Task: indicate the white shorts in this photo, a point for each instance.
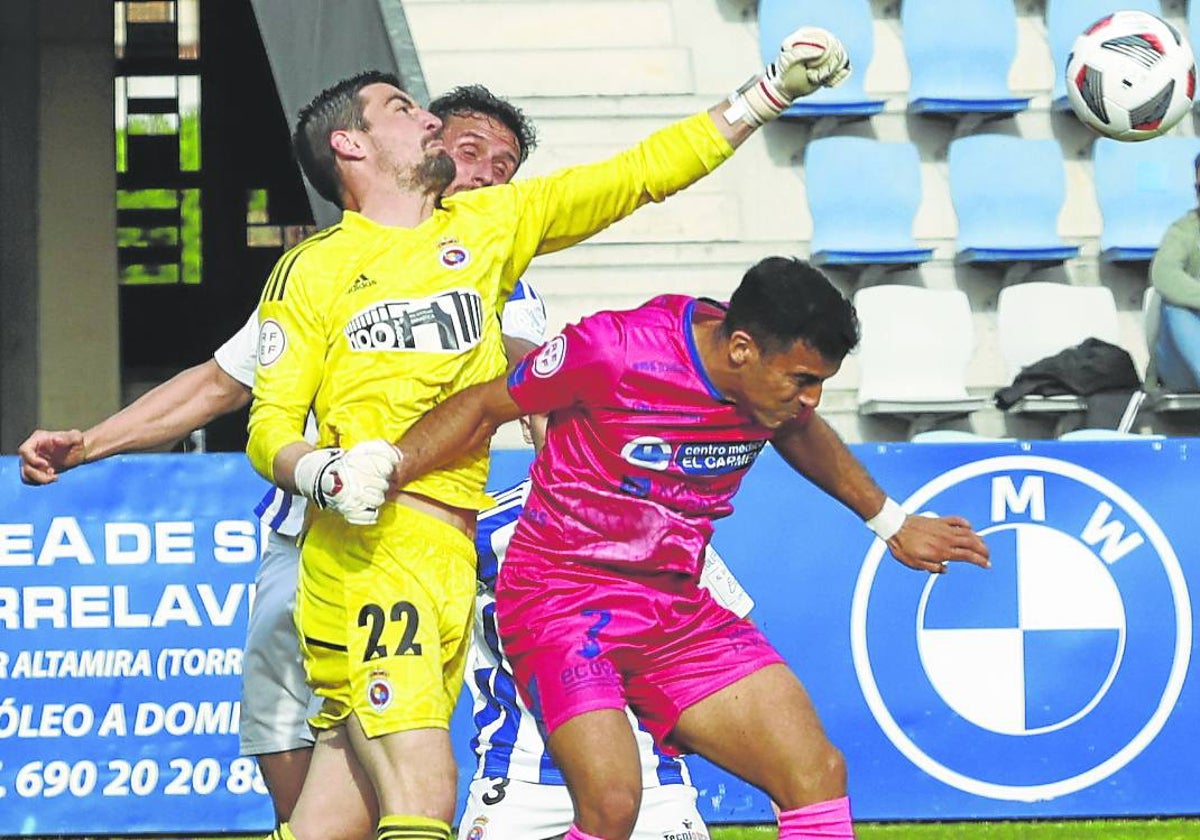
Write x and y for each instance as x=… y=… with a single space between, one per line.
x=499 y=809
x=276 y=700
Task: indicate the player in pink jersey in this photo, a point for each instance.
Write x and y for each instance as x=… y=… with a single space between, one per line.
x=655 y=415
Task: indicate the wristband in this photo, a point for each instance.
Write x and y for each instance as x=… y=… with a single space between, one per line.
x=738 y=112
x=309 y=470
x=888 y=522
x=740 y=109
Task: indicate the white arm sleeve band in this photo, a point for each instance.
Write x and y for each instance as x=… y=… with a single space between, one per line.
x=239 y=355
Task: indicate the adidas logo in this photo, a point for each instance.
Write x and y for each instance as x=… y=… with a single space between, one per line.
x=361 y=282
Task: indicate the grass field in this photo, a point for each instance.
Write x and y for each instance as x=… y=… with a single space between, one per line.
x=1069 y=830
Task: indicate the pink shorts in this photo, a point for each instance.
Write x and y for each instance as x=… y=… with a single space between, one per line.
x=583 y=638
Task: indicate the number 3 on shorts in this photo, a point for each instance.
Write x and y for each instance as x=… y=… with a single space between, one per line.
x=402 y=612
x=496 y=794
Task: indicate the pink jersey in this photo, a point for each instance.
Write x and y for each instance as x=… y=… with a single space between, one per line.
x=643 y=452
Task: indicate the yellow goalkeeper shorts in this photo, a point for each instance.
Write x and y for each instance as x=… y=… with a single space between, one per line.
x=384 y=614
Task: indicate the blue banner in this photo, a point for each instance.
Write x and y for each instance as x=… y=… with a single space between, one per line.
x=1058 y=683
x=124 y=593
x=1055 y=684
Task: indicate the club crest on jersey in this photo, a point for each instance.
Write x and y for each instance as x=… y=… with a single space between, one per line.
x=550 y=358
x=1067 y=657
x=450 y=322
x=478 y=829
x=272 y=341
x=650 y=452
x=379 y=691
x=453 y=255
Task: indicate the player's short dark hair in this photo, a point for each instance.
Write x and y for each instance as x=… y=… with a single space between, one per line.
x=337 y=108
x=476 y=99
x=783 y=300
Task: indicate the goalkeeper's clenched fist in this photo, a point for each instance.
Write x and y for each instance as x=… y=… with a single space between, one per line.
x=810 y=58
x=352 y=482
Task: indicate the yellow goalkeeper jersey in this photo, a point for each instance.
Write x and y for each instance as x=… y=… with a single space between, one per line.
x=372 y=326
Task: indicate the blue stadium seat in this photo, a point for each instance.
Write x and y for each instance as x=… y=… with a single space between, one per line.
x=1066 y=19
x=959 y=56
x=851 y=21
x=863 y=195
x=1141 y=188
x=1008 y=192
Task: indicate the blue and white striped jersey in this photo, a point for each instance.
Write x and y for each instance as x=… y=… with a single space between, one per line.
x=523 y=316
x=508 y=739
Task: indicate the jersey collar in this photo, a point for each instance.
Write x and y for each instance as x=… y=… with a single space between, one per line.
x=689 y=337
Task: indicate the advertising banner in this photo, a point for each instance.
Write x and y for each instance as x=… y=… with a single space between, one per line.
x=124 y=593
x=1057 y=683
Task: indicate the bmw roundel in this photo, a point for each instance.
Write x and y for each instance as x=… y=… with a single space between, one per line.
x=1047 y=673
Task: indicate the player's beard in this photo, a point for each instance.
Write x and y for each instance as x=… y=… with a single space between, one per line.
x=435 y=173
x=431 y=176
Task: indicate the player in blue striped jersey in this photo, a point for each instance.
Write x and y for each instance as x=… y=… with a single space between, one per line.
x=517 y=792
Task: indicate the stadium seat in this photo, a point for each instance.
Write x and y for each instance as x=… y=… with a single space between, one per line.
x=1066 y=19
x=863 y=195
x=916 y=345
x=851 y=21
x=1008 y=192
x=1160 y=398
x=1141 y=188
x=966 y=73
x=1037 y=320
x=954 y=436
x=1106 y=434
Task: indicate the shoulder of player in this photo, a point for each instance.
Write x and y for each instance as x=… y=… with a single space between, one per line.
x=481 y=200
x=312 y=258
x=615 y=335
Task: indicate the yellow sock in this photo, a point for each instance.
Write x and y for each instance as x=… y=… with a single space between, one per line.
x=282 y=832
x=397 y=827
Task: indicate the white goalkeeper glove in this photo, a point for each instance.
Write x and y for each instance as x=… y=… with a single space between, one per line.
x=810 y=58
x=352 y=482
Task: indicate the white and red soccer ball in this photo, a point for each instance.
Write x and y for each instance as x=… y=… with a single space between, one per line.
x=1131 y=76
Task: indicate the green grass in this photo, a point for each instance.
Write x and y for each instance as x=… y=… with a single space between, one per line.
x=1070 y=830
x=1149 y=829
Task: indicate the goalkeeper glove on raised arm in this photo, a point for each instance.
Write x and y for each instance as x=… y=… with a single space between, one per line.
x=352 y=482
x=809 y=59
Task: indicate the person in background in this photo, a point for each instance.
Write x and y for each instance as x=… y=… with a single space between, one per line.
x=1175 y=275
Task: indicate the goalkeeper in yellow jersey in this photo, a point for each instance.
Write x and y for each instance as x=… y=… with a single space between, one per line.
x=372 y=323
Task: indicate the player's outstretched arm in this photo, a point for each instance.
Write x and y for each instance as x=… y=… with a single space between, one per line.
x=463 y=422
x=809 y=59
x=816 y=451
x=163 y=415
x=45 y=454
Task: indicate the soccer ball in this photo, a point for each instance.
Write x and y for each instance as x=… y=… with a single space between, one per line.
x=1131 y=76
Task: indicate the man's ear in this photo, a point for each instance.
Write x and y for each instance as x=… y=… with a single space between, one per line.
x=346 y=145
x=742 y=348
